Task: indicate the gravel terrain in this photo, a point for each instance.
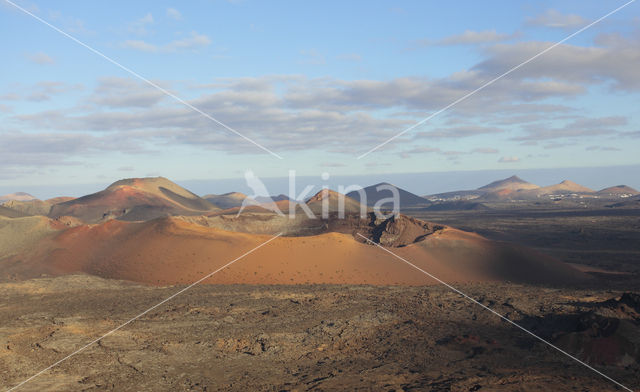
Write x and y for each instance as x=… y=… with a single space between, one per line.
x=310 y=337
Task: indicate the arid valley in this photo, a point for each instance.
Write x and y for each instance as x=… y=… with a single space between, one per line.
x=322 y=306
x=280 y=196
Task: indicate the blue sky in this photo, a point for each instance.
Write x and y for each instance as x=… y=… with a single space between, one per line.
x=318 y=84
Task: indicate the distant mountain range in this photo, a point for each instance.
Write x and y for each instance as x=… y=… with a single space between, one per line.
x=138 y=199
x=515 y=188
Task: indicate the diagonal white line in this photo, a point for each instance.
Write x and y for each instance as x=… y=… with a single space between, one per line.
x=494 y=312
x=143 y=313
x=145 y=80
x=492 y=81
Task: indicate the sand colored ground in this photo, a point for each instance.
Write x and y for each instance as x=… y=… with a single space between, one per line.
x=20 y=234
x=170 y=250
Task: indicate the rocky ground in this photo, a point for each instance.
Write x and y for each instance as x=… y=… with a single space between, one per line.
x=607 y=238
x=314 y=337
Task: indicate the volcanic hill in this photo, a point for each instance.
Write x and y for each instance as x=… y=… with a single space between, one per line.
x=134 y=199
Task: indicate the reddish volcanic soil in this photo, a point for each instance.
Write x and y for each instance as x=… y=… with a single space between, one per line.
x=134 y=199
x=171 y=250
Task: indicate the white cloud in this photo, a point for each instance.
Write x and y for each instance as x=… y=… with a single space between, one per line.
x=45 y=90
x=510 y=159
x=174 y=14
x=147 y=19
x=20 y=149
x=333 y=164
x=294 y=112
x=448 y=153
x=193 y=41
x=602 y=148
x=140 y=26
x=470 y=37
x=485 y=150
x=115 y=92
x=458 y=132
x=580 y=128
x=140 y=45
x=555 y=19
x=568 y=64
x=350 y=57
x=312 y=57
x=40 y=58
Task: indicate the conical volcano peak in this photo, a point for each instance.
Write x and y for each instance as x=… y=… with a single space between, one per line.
x=513 y=183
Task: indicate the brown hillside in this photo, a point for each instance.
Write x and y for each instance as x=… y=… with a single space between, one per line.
x=134 y=199
x=171 y=250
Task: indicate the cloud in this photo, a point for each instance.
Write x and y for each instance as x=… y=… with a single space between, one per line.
x=333 y=164
x=147 y=19
x=10 y=97
x=140 y=45
x=252 y=106
x=459 y=132
x=354 y=57
x=555 y=19
x=193 y=41
x=140 y=26
x=614 y=65
x=509 y=159
x=312 y=57
x=425 y=94
x=470 y=37
x=550 y=146
x=44 y=149
x=377 y=164
x=69 y=24
x=602 y=148
x=45 y=90
x=486 y=150
x=174 y=14
x=294 y=112
x=40 y=58
x=29 y=6
x=448 y=153
x=579 y=128
x=420 y=150
x=115 y=92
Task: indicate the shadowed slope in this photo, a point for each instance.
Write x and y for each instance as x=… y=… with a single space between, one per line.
x=30 y=207
x=10 y=213
x=227 y=200
x=372 y=195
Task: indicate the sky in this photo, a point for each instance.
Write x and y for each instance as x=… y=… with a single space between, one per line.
x=317 y=85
